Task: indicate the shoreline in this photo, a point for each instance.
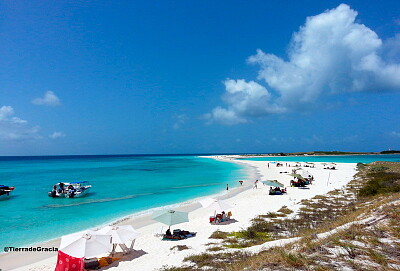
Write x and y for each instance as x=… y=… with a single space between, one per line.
x=248 y=203
x=240 y=156
x=138 y=220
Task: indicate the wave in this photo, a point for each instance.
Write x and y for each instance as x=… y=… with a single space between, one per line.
x=94 y=201
x=195 y=185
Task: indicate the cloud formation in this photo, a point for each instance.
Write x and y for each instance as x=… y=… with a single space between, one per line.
x=330 y=54
x=180 y=120
x=56 y=135
x=49 y=99
x=395 y=134
x=244 y=99
x=15 y=129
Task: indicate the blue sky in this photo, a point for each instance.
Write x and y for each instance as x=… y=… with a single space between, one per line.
x=198 y=76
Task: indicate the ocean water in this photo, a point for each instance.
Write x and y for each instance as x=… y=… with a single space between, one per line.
x=333 y=158
x=121 y=185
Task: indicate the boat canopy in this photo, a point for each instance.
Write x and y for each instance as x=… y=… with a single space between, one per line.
x=78 y=182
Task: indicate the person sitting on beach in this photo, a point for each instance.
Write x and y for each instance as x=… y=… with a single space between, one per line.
x=223 y=216
x=168 y=232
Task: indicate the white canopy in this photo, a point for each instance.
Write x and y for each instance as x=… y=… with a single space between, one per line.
x=217 y=205
x=120 y=234
x=86 y=244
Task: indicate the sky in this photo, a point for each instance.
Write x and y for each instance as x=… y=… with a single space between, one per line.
x=188 y=77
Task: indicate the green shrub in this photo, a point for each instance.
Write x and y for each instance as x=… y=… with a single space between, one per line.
x=381 y=182
x=379 y=169
x=219 y=235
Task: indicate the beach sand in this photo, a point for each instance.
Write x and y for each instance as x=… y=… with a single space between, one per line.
x=152 y=253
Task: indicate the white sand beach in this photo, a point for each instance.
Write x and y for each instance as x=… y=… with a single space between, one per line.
x=152 y=253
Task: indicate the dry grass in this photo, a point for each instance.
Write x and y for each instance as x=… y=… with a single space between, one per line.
x=285 y=210
x=180 y=247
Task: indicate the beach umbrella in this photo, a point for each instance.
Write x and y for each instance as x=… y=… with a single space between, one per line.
x=217 y=205
x=274 y=183
x=305 y=174
x=120 y=234
x=170 y=217
x=86 y=244
x=298 y=176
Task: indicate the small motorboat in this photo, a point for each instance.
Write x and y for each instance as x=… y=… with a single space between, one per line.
x=5 y=191
x=70 y=190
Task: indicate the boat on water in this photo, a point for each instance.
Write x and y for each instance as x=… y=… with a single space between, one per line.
x=5 y=191
x=70 y=190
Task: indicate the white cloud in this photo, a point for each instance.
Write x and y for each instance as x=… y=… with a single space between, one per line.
x=243 y=99
x=56 y=135
x=395 y=134
x=330 y=54
x=15 y=129
x=179 y=121
x=49 y=99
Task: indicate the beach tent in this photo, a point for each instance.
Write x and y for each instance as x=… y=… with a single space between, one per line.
x=67 y=262
x=121 y=235
x=170 y=217
x=274 y=183
x=86 y=244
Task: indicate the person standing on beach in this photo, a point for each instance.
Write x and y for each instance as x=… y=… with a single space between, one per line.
x=241 y=183
x=227 y=188
x=255 y=184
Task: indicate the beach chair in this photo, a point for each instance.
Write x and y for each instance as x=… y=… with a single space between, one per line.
x=161 y=234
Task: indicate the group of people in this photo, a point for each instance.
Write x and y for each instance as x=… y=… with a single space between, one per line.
x=276 y=191
x=222 y=217
x=178 y=234
x=70 y=190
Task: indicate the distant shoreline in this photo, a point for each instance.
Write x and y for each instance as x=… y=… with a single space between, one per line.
x=276 y=154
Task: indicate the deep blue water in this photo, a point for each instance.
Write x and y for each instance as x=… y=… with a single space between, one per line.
x=333 y=158
x=122 y=185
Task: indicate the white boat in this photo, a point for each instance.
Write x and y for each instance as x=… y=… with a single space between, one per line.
x=5 y=191
x=70 y=190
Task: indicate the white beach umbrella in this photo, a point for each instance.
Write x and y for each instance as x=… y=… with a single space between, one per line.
x=305 y=174
x=86 y=244
x=217 y=205
x=120 y=234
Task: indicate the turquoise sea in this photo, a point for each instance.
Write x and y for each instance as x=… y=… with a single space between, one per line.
x=122 y=185
x=333 y=158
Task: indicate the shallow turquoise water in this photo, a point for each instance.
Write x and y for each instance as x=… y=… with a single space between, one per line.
x=333 y=158
x=122 y=185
